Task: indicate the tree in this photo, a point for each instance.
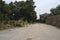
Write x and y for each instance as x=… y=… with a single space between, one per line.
x=30 y=12
x=12 y=10
x=2 y=3
x=26 y=10
x=55 y=11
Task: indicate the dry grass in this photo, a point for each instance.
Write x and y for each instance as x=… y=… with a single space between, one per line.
x=12 y=24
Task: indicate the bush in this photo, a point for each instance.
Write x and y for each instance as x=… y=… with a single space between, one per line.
x=12 y=24
x=1 y=26
x=18 y=23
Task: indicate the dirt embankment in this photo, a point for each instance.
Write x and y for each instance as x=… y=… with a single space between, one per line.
x=54 y=20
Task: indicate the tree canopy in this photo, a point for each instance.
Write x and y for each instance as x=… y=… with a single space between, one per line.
x=24 y=10
x=55 y=11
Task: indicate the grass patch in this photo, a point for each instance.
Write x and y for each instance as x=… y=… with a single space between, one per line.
x=2 y=26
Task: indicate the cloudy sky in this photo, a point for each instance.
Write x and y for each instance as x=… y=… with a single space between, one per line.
x=42 y=6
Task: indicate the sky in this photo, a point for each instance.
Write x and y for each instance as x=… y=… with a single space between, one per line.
x=42 y=6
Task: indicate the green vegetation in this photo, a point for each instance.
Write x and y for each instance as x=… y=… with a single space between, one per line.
x=1 y=26
x=22 y=10
x=12 y=24
x=55 y=11
x=53 y=18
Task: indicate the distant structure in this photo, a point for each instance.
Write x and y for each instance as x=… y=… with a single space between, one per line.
x=43 y=17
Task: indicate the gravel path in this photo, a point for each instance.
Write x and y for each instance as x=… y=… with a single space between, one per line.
x=31 y=32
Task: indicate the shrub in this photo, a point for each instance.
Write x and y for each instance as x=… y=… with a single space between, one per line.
x=1 y=26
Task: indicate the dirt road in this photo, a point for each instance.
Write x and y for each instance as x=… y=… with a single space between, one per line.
x=31 y=32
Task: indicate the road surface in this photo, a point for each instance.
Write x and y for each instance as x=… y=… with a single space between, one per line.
x=31 y=32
